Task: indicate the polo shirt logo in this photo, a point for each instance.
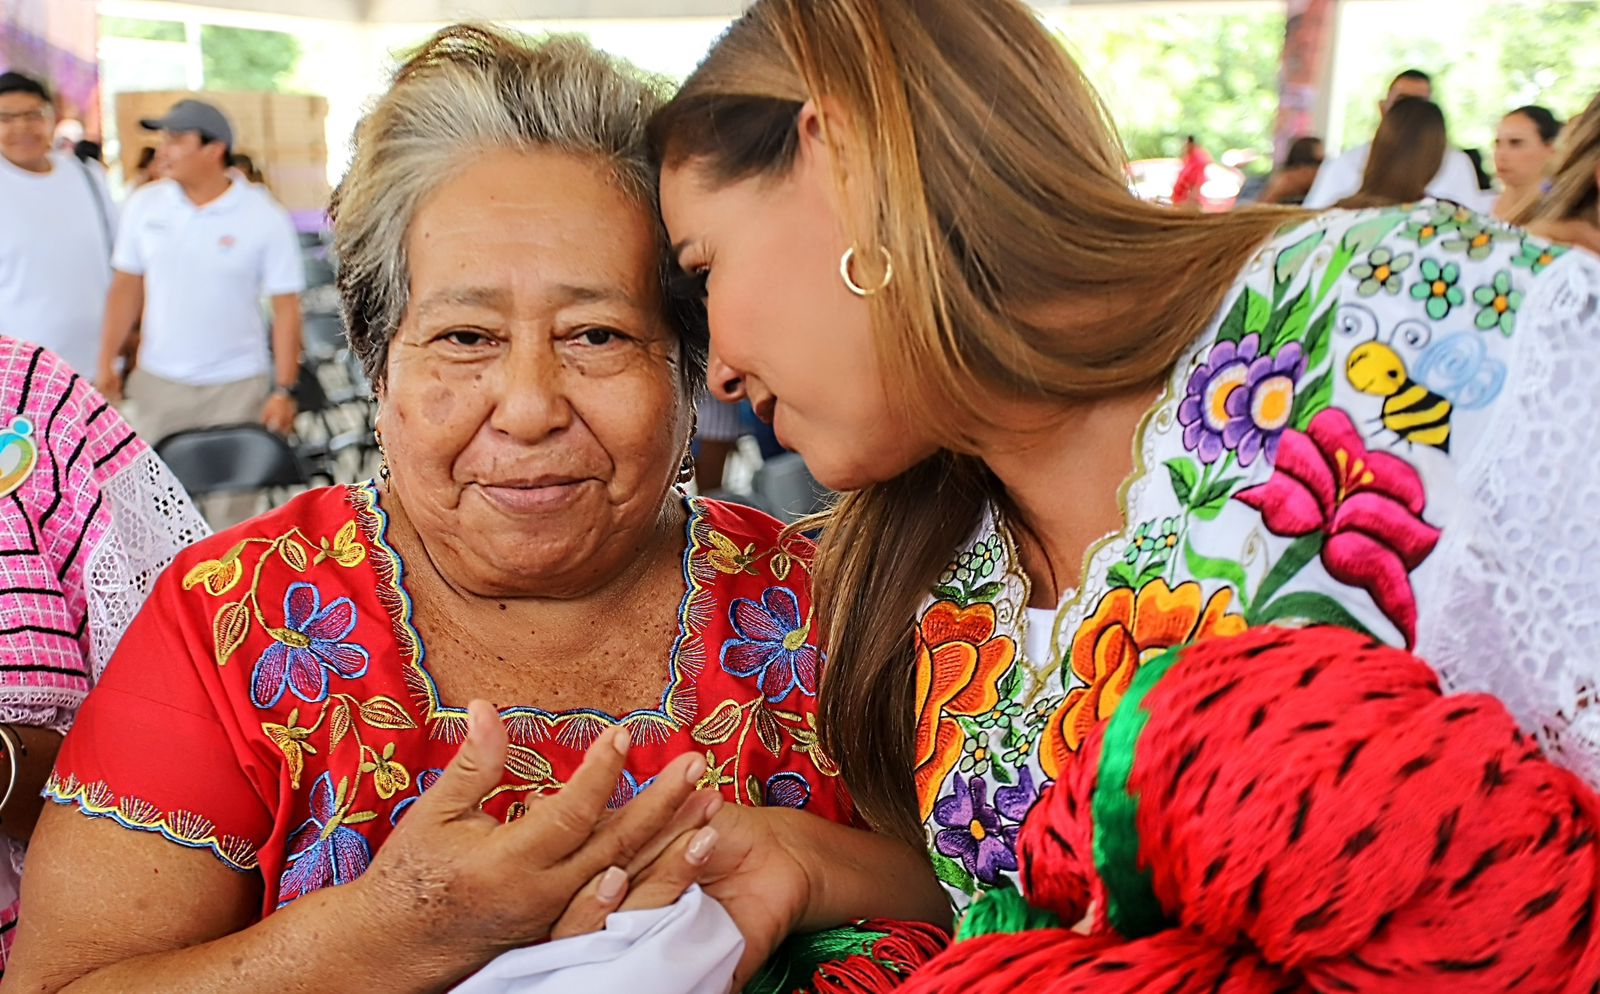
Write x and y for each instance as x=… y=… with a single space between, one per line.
x=226 y=241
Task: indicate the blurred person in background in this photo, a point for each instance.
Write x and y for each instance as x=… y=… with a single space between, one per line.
x=1191 y=181
x=1341 y=177
x=1569 y=211
x=196 y=253
x=146 y=169
x=1406 y=151
x=1524 y=143
x=1293 y=180
x=57 y=225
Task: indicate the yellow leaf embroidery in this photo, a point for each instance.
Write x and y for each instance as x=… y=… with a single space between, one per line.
x=752 y=789
x=228 y=629
x=347 y=551
x=284 y=738
x=782 y=563
x=528 y=765
x=768 y=731
x=726 y=557
x=718 y=726
x=383 y=712
x=359 y=817
x=217 y=576
x=294 y=554
x=338 y=725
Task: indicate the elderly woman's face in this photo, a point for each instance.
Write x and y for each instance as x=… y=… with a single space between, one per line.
x=532 y=415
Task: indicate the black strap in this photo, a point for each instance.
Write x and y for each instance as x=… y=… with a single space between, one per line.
x=98 y=197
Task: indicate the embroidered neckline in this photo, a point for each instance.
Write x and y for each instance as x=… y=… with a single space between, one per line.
x=577 y=727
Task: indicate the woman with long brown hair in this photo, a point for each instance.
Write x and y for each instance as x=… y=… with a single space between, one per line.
x=1569 y=211
x=1407 y=149
x=1074 y=430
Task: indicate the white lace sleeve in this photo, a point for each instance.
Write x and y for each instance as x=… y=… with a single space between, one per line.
x=152 y=521
x=1521 y=588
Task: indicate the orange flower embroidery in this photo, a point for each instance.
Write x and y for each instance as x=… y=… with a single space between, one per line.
x=1126 y=631
x=960 y=662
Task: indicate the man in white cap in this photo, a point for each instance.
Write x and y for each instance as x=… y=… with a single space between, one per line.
x=195 y=254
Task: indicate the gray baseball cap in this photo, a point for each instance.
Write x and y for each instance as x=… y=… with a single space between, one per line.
x=193 y=115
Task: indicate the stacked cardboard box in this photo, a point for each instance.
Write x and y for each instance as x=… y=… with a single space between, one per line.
x=285 y=134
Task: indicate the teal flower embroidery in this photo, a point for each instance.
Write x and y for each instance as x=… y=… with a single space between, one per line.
x=1004 y=713
x=1475 y=238
x=1438 y=288
x=1535 y=256
x=976 y=564
x=1498 y=303
x=975 y=755
x=1381 y=271
x=1440 y=219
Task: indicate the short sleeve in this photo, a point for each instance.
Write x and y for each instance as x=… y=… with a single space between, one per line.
x=153 y=751
x=1523 y=565
x=282 y=269
x=127 y=253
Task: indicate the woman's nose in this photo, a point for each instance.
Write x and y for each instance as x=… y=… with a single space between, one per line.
x=723 y=381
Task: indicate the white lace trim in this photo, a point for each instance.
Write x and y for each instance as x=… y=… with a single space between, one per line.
x=1517 y=613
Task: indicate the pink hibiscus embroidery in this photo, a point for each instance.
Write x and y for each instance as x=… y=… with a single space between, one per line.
x=1368 y=505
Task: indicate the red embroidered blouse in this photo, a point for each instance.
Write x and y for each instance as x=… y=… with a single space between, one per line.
x=272 y=702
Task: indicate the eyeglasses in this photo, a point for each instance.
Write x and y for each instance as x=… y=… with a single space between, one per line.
x=27 y=116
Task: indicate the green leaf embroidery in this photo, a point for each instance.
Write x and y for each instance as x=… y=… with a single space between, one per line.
x=1311 y=401
x=1248 y=314
x=986 y=593
x=1001 y=774
x=1120 y=575
x=1294 y=559
x=1309 y=607
x=948 y=593
x=1318 y=341
x=1149 y=573
x=1184 y=476
x=1205 y=568
x=950 y=872
x=1364 y=237
x=1217 y=490
x=1293 y=259
x=1288 y=324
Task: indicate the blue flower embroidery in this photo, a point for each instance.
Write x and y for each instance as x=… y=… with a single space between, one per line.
x=772 y=645
x=628 y=787
x=788 y=790
x=309 y=645
x=425 y=779
x=322 y=852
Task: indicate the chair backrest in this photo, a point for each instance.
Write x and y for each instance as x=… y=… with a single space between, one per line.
x=785 y=485
x=322 y=335
x=319 y=271
x=230 y=458
x=311 y=397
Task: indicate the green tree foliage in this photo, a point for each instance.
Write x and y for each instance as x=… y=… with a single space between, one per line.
x=244 y=59
x=1165 y=75
x=131 y=27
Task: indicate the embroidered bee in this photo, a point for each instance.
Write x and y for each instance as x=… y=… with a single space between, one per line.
x=1456 y=373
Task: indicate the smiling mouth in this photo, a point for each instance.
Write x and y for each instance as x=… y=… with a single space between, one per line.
x=543 y=493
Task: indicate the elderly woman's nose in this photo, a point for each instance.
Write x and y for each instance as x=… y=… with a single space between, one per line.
x=723 y=380
x=529 y=401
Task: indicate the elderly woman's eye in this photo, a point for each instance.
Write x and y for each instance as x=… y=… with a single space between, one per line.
x=466 y=337
x=597 y=337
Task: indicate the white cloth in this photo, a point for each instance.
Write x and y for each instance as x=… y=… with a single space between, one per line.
x=1039 y=643
x=55 y=257
x=690 y=947
x=1339 y=178
x=205 y=272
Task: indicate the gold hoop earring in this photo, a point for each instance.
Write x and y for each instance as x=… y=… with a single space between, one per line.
x=850 y=281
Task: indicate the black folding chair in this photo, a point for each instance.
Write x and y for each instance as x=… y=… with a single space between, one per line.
x=232 y=458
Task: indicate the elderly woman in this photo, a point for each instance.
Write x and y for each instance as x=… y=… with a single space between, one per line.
x=281 y=785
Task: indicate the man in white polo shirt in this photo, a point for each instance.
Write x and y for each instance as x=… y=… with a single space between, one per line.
x=1339 y=178
x=56 y=228
x=195 y=254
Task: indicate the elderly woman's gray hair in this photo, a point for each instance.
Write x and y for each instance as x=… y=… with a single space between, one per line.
x=471 y=89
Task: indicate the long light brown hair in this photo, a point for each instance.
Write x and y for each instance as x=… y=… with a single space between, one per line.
x=1407 y=151
x=1574 y=193
x=985 y=164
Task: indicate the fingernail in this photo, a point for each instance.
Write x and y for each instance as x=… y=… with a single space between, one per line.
x=701 y=845
x=612 y=884
x=696 y=770
x=621 y=741
x=714 y=804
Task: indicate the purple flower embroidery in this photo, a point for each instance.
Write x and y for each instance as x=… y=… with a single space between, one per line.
x=772 y=645
x=628 y=787
x=322 y=852
x=309 y=645
x=974 y=833
x=1241 y=400
x=425 y=779
x=1015 y=802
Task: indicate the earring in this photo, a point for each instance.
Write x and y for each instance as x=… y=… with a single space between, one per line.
x=383 y=457
x=850 y=281
x=686 y=470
